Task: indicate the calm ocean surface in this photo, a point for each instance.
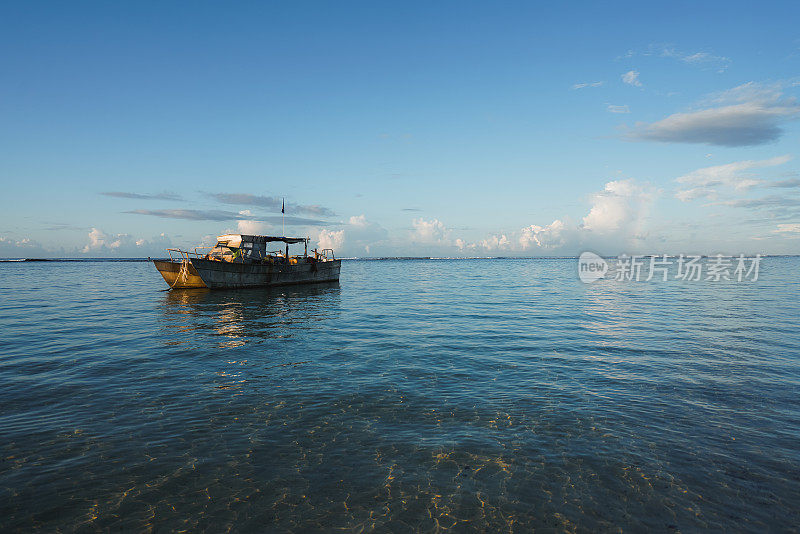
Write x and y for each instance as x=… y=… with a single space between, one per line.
x=496 y=395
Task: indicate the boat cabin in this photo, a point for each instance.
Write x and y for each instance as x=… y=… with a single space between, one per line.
x=240 y=248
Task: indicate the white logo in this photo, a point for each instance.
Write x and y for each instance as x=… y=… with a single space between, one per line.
x=591 y=267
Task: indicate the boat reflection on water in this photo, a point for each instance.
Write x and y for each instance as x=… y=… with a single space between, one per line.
x=235 y=317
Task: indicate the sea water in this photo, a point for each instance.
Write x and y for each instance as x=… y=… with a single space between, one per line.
x=415 y=395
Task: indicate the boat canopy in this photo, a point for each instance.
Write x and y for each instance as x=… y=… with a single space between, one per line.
x=235 y=240
x=233 y=247
x=288 y=240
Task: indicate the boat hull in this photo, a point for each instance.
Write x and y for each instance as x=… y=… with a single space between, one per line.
x=222 y=275
x=179 y=274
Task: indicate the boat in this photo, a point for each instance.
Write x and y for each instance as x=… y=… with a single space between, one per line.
x=239 y=260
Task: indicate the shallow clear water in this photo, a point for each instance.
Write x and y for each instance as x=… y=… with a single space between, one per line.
x=496 y=395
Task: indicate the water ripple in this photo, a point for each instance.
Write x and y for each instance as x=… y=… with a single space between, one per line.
x=482 y=395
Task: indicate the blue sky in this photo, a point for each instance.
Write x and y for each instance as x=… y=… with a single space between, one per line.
x=454 y=129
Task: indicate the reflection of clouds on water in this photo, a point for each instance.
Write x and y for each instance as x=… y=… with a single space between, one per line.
x=242 y=316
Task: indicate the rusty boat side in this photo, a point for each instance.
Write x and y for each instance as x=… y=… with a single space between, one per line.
x=218 y=275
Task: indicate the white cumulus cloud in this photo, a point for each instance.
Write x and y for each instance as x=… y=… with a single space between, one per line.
x=430 y=232
x=330 y=239
x=617 y=219
x=709 y=181
x=545 y=237
x=250 y=226
x=620 y=206
x=632 y=78
x=102 y=244
x=496 y=243
x=21 y=248
x=358 y=237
